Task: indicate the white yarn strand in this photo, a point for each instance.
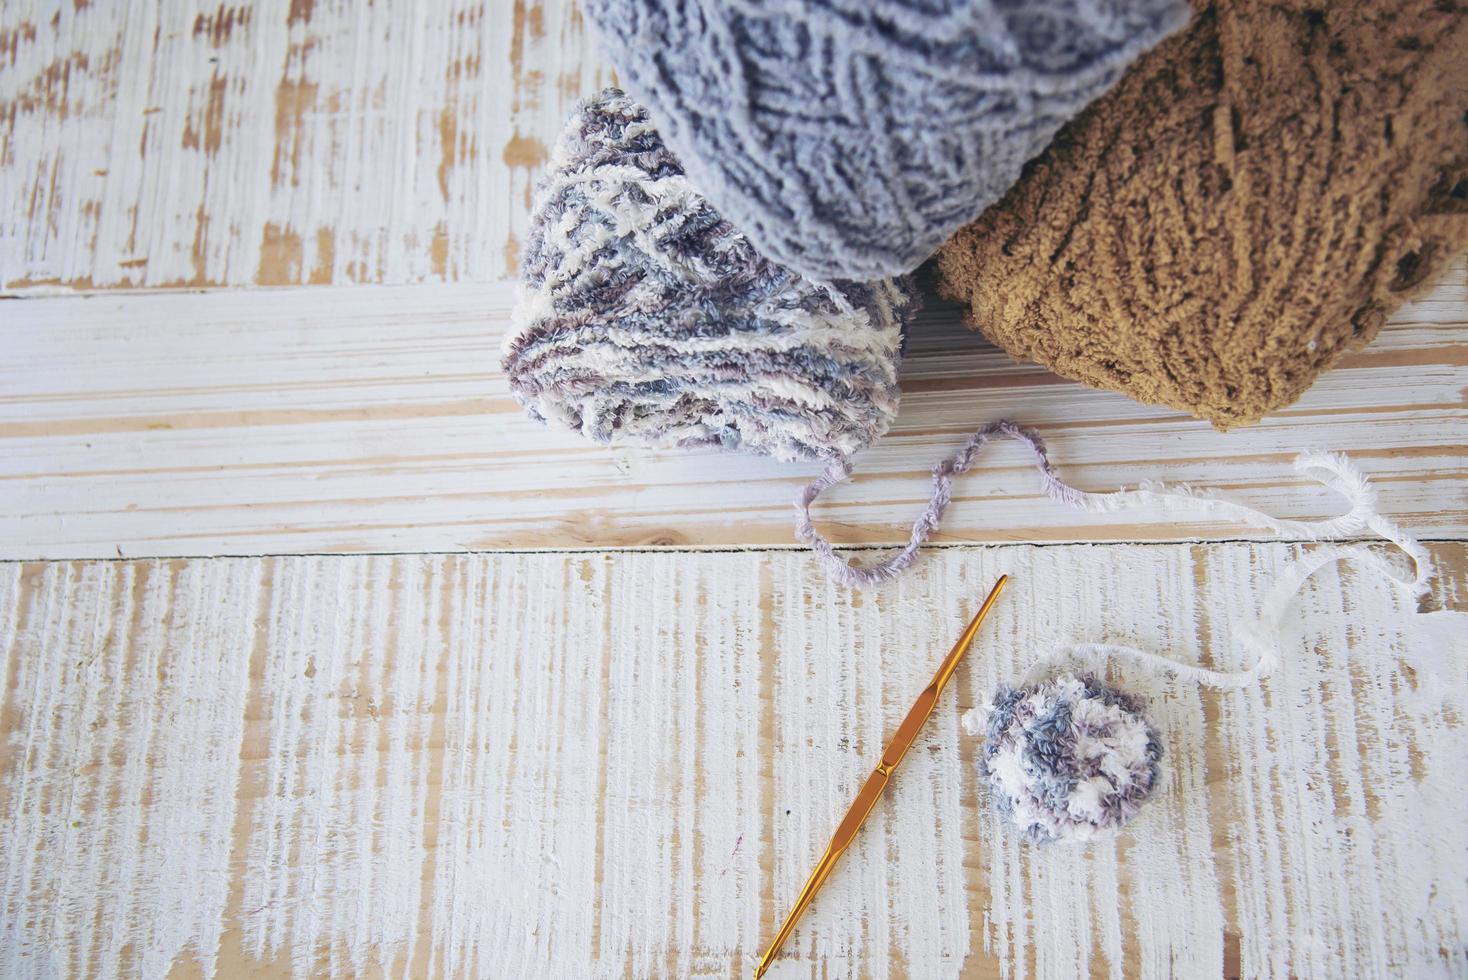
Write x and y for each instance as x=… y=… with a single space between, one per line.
x=1332 y=470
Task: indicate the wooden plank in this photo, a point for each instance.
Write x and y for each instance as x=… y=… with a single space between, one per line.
x=375 y=420
x=607 y=765
x=147 y=143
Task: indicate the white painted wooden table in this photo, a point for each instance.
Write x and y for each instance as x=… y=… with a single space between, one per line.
x=476 y=698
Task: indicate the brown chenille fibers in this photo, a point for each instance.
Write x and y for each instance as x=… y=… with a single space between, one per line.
x=1253 y=199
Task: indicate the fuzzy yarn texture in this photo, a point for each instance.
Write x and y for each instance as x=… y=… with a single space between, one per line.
x=850 y=140
x=1252 y=200
x=645 y=317
x=1069 y=758
x=1332 y=471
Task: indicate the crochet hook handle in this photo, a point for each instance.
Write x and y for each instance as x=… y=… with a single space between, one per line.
x=872 y=789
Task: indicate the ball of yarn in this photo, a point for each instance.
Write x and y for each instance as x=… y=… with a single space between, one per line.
x=1252 y=200
x=645 y=317
x=850 y=140
x=1069 y=758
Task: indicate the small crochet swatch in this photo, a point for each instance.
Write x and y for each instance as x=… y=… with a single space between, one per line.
x=645 y=317
x=1068 y=758
x=850 y=140
x=1252 y=200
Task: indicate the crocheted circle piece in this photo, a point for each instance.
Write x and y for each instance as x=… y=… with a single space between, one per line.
x=1069 y=758
x=849 y=140
x=645 y=317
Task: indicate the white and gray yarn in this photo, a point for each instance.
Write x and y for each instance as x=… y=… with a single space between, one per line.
x=851 y=139
x=1068 y=758
x=645 y=317
x=1331 y=470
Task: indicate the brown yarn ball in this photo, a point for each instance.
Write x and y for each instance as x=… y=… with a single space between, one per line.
x=1253 y=199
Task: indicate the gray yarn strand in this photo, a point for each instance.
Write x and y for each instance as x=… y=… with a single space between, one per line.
x=840 y=469
x=1332 y=471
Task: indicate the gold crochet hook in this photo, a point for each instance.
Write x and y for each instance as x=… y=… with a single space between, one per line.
x=907 y=733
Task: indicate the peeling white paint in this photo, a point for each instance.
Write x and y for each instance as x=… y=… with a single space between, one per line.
x=127 y=690
x=368 y=419
x=580 y=765
x=277 y=141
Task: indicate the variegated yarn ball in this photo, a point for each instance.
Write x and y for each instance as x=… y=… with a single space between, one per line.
x=645 y=317
x=1069 y=758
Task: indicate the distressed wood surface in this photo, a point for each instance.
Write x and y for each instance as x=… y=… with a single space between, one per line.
x=160 y=144
x=147 y=143
x=451 y=764
x=375 y=419
x=592 y=765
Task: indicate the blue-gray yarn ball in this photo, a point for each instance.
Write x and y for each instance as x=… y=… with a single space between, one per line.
x=1069 y=758
x=850 y=138
x=645 y=317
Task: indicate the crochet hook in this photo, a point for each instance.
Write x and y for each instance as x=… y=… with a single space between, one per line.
x=871 y=791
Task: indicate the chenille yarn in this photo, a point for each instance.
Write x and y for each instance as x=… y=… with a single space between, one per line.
x=645 y=317
x=1332 y=471
x=849 y=140
x=1253 y=199
x=1068 y=758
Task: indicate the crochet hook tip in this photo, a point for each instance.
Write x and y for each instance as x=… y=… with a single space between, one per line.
x=967 y=639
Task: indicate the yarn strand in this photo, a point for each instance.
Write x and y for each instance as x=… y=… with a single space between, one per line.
x=1262 y=637
x=1331 y=470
